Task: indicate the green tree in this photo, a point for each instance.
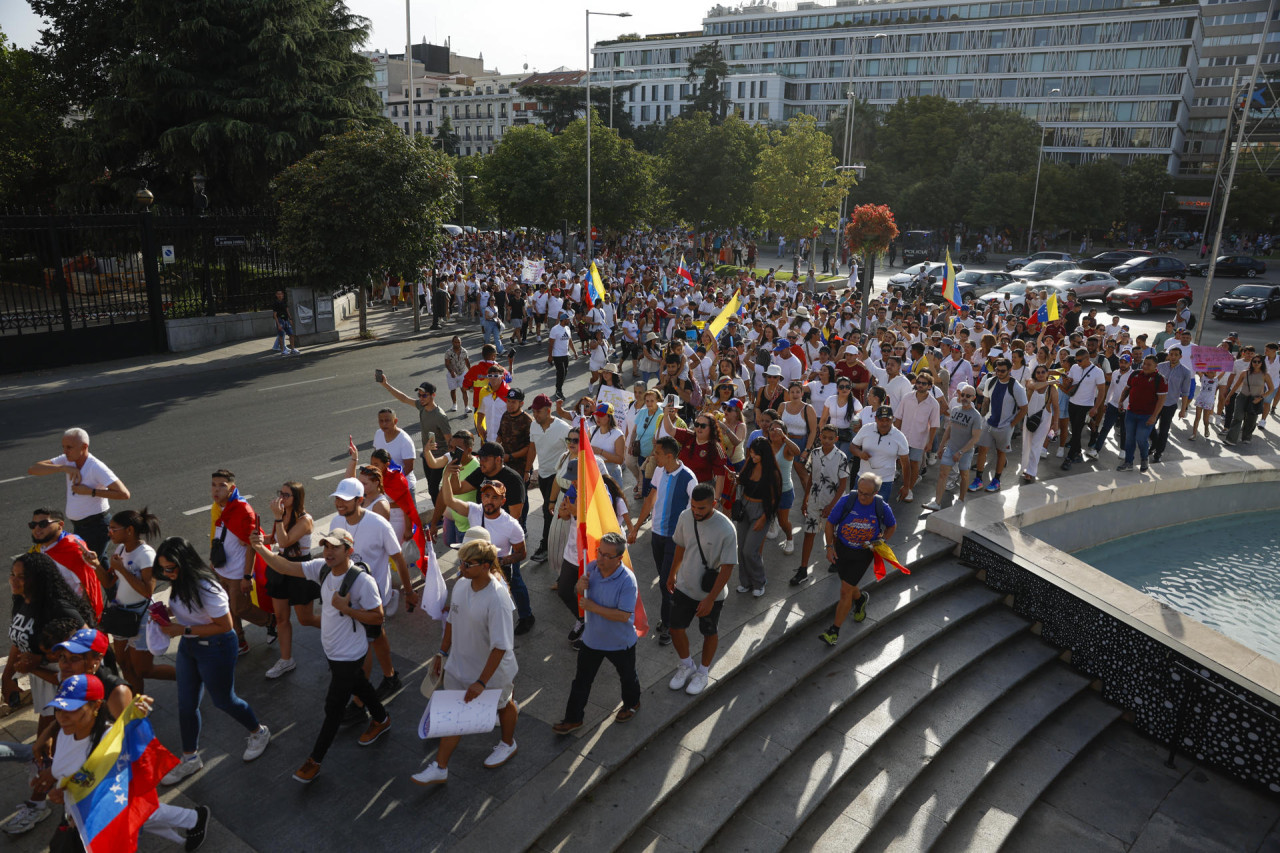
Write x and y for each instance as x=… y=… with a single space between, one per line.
x=623 y=190
x=797 y=186
x=31 y=109
x=520 y=177
x=1142 y=184
x=707 y=71
x=83 y=41
x=1252 y=206
x=236 y=91
x=567 y=103
x=366 y=201
x=866 y=122
x=446 y=136
x=706 y=169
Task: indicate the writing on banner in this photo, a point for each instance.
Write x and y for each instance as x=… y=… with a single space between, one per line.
x=531 y=271
x=1206 y=359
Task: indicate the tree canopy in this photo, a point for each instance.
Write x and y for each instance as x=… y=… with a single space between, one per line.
x=564 y=104
x=707 y=169
x=30 y=128
x=707 y=70
x=519 y=177
x=797 y=185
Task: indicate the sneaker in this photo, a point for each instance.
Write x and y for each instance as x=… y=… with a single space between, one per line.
x=502 y=753
x=1091 y=453
x=195 y=835
x=1226 y=440
x=185 y=768
x=976 y=485
x=393 y=603
x=1155 y=457
x=576 y=645
x=524 y=625
x=757 y=592
x=256 y=743
x=1062 y=451
x=994 y=485
x=307 y=773
x=29 y=814
x=932 y=459
x=280 y=667
x=1144 y=467
x=354 y=714
x=860 y=607
x=664 y=636
x=539 y=556
x=293 y=351
x=626 y=714
x=910 y=497
x=789 y=546
x=432 y=774
x=801 y=575
x=683 y=673
x=471 y=411
x=773 y=531
x=742 y=588
x=274 y=349
x=1044 y=453
x=376 y=730
x=932 y=505
x=953 y=480
x=576 y=631
x=390 y=684
x=1067 y=463
x=565 y=726
x=830 y=636
x=697 y=683
x=1193 y=436
x=1125 y=466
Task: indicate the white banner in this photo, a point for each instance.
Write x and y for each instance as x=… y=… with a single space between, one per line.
x=531 y=271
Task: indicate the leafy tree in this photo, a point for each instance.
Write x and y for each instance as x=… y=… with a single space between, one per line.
x=797 y=186
x=1143 y=183
x=1093 y=199
x=650 y=138
x=567 y=103
x=1252 y=206
x=707 y=71
x=30 y=127
x=84 y=41
x=924 y=134
x=446 y=136
x=707 y=169
x=366 y=201
x=866 y=122
x=622 y=179
x=520 y=177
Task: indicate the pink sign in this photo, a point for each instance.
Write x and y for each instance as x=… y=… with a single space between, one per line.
x=1205 y=359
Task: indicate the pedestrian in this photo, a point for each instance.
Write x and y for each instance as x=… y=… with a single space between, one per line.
x=349 y=605
x=1251 y=389
x=477 y=652
x=857 y=522
x=1181 y=381
x=90 y=486
x=439 y=301
x=232 y=558
x=1042 y=404
x=706 y=552
x=397 y=442
x=670 y=490
x=434 y=422
x=608 y=591
x=963 y=432
x=882 y=448
x=828 y=467
x=199 y=611
x=1004 y=406
x=291 y=528
x=284 y=327
x=1145 y=394
x=79 y=566
x=456 y=364
x=547 y=436
x=559 y=348
x=918 y=418
x=1082 y=384
x=760 y=491
x=132 y=564
x=1114 y=414
x=514 y=432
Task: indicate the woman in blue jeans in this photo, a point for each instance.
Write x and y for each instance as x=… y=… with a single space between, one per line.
x=200 y=614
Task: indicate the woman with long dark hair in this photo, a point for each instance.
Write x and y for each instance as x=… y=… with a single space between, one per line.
x=133 y=567
x=200 y=613
x=291 y=532
x=761 y=490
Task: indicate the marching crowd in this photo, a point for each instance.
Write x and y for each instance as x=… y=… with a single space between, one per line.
x=725 y=412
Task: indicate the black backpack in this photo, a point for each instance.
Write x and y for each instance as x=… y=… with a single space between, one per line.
x=344 y=589
x=1191 y=321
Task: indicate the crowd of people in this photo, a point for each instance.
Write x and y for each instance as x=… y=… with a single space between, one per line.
x=724 y=413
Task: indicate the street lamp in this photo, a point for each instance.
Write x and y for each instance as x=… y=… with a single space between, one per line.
x=587 y=82
x=612 y=72
x=199 y=200
x=1160 y=221
x=144 y=197
x=1039 y=161
x=463 y=200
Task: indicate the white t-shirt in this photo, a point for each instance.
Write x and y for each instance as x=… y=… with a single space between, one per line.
x=899 y=387
x=376 y=543
x=142 y=557
x=95 y=475
x=494 y=408
x=213 y=603
x=1085 y=383
x=548 y=444
x=884 y=450
x=559 y=336
x=481 y=623
x=343 y=637
x=400 y=448
x=602 y=440
x=504 y=531
x=236 y=548
x=837 y=414
x=790 y=367
x=70 y=755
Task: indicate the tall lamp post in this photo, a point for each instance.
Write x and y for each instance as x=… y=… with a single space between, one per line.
x=1035 y=195
x=587 y=83
x=845 y=163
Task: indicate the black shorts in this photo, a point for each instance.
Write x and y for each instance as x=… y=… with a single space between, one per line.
x=296 y=590
x=684 y=608
x=629 y=350
x=852 y=563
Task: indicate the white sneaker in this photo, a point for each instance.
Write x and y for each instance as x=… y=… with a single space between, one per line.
x=933 y=459
x=932 y=505
x=788 y=546
x=280 y=667
x=185 y=768
x=1091 y=453
x=432 y=774
x=774 y=530
x=470 y=411
x=758 y=591
x=27 y=817
x=293 y=351
x=1044 y=453
x=256 y=743
x=697 y=684
x=502 y=753
x=393 y=603
x=684 y=672
x=742 y=588
x=1062 y=451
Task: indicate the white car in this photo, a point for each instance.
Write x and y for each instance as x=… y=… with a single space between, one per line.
x=1015 y=295
x=1088 y=284
x=899 y=282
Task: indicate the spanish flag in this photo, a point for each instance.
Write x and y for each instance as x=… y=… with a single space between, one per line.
x=884 y=556
x=949 y=284
x=730 y=308
x=596 y=518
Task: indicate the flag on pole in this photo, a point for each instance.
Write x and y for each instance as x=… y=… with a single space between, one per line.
x=684 y=271
x=434 y=593
x=949 y=283
x=1051 y=306
x=596 y=517
x=596 y=286
x=731 y=307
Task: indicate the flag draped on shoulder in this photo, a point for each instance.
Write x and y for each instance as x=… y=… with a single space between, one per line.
x=731 y=307
x=949 y=283
x=69 y=552
x=240 y=519
x=596 y=517
x=113 y=794
x=396 y=485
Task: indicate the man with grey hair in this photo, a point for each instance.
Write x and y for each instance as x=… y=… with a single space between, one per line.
x=1180 y=379
x=90 y=486
x=608 y=591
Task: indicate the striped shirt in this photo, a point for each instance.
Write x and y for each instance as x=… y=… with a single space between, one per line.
x=674 y=490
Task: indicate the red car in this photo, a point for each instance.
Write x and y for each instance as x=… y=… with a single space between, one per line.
x=1147 y=293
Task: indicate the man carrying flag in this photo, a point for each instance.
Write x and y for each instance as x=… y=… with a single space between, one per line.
x=76 y=562
x=731 y=307
x=949 y=284
x=683 y=272
x=241 y=573
x=594 y=291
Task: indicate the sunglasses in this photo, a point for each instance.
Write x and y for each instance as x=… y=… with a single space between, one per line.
x=701 y=424
x=471 y=564
x=34 y=524
x=284 y=494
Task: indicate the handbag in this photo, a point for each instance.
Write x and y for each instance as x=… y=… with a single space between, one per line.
x=738 y=512
x=708 y=580
x=1033 y=421
x=122 y=620
x=218 y=550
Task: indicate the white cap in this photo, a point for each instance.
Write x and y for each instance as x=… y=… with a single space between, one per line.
x=349 y=489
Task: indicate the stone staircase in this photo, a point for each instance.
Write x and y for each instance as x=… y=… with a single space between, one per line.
x=934 y=724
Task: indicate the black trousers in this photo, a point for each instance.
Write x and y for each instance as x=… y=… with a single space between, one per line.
x=434 y=476
x=589 y=660
x=1078 y=415
x=1160 y=435
x=562 y=368
x=93 y=530
x=544 y=486
x=346 y=680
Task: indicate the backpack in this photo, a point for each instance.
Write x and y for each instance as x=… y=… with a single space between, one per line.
x=344 y=589
x=1191 y=321
x=878 y=502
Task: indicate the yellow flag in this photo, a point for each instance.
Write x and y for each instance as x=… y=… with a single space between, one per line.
x=1052 y=306
x=730 y=308
x=597 y=286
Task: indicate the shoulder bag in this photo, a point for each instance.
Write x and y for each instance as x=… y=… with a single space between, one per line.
x=708 y=580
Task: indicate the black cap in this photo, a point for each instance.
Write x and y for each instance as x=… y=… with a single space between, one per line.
x=515 y=394
x=884 y=412
x=491 y=448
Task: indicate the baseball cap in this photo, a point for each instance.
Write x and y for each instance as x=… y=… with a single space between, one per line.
x=515 y=394
x=947 y=342
x=732 y=404
x=338 y=536
x=964 y=307
x=495 y=486
x=884 y=412
x=542 y=401
x=781 y=345
x=491 y=448
x=604 y=409
x=348 y=489
x=76 y=691
x=1126 y=357
x=565 y=315
x=84 y=641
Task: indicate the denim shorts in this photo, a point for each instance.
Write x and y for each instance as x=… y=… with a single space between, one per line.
x=788 y=499
x=949 y=458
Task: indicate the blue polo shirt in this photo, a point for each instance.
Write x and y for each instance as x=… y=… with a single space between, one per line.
x=618 y=592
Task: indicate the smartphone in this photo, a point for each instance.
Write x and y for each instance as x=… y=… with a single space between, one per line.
x=159 y=613
x=378 y=376
x=455 y=454
x=673 y=402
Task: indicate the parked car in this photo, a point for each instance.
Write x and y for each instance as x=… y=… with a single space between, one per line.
x=1159 y=266
x=1107 y=260
x=1239 y=265
x=1088 y=284
x=1014 y=294
x=970 y=284
x=1043 y=270
x=1256 y=301
x=899 y=282
x=1180 y=239
x=1144 y=294
x=1018 y=263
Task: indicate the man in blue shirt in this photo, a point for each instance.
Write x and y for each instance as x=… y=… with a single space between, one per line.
x=673 y=483
x=855 y=524
x=608 y=590
x=1181 y=381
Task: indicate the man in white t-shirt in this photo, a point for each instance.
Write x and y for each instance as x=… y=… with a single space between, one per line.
x=547 y=436
x=90 y=485
x=398 y=443
x=1083 y=383
x=347 y=605
x=559 y=348
x=882 y=447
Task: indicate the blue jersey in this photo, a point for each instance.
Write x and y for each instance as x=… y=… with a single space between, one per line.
x=857 y=524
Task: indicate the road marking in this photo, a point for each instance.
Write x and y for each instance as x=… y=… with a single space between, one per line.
x=330 y=474
x=357 y=408
x=303 y=382
x=13 y=479
x=207 y=507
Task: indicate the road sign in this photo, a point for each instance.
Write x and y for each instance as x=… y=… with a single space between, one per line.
x=167 y=255
x=234 y=241
x=595 y=233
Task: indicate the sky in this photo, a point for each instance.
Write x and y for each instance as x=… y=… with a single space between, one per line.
x=510 y=33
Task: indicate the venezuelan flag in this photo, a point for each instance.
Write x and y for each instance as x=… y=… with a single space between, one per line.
x=114 y=793
x=949 y=284
x=731 y=307
x=596 y=518
x=595 y=289
x=1051 y=306
x=684 y=271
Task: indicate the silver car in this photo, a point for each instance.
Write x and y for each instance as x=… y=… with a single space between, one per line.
x=1043 y=270
x=1088 y=284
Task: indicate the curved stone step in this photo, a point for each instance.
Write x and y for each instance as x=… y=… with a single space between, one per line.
x=620 y=802
x=925 y=808
x=856 y=801
x=988 y=817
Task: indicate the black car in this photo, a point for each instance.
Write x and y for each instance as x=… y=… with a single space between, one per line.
x=1107 y=260
x=1153 y=266
x=1256 y=301
x=1237 y=265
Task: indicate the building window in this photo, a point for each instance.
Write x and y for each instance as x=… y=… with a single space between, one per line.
x=764 y=89
x=417 y=92
x=644 y=113
x=1009 y=88
x=417 y=127
x=742 y=88
x=395 y=111
x=763 y=112
x=668 y=92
